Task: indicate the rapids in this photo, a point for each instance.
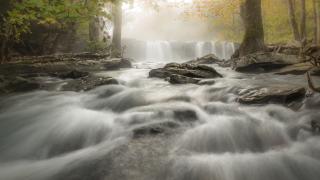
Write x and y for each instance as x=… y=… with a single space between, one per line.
x=201 y=132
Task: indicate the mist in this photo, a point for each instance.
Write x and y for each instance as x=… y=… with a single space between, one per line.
x=164 y=23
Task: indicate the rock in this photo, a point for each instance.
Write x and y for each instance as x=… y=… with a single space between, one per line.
x=208 y=59
x=74 y=74
x=187 y=72
x=117 y=63
x=266 y=61
x=179 y=79
x=264 y=95
x=295 y=69
x=88 y=83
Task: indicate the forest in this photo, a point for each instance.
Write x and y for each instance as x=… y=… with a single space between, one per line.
x=159 y=89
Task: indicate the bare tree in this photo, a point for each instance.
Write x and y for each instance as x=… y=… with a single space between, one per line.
x=293 y=20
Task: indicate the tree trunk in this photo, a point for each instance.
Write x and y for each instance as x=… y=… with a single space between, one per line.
x=3 y=51
x=94 y=29
x=315 y=21
x=293 y=20
x=117 y=28
x=251 y=13
x=303 y=26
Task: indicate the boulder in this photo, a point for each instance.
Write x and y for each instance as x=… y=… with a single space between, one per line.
x=117 y=63
x=179 y=73
x=266 y=61
x=276 y=94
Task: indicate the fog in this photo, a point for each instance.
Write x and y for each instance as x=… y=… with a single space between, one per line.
x=164 y=22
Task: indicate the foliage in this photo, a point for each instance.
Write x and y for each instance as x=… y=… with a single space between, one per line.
x=58 y=13
x=225 y=16
x=98 y=47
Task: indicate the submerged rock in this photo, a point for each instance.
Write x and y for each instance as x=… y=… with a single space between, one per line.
x=264 y=95
x=265 y=61
x=88 y=83
x=185 y=73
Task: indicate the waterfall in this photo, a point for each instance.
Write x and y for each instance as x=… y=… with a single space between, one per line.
x=199 y=49
x=177 y=50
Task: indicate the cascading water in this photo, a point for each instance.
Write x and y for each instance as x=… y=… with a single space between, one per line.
x=177 y=51
x=148 y=129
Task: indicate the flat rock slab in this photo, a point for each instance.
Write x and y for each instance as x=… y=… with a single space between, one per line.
x=265 y=61
x=184 y=73
x=264 y=95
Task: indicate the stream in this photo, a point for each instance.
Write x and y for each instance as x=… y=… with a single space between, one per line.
x=147 y=129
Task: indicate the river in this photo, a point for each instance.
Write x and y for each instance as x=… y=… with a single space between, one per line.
x=147 y=129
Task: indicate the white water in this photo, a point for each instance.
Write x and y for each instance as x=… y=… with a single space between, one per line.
x=177 y=51
x=89 y=135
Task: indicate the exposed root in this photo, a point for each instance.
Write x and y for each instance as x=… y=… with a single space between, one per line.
x=311 y=84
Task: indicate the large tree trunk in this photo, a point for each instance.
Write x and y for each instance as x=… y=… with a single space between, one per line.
x=117 y=29
x=251 y=13
x=316 y=21
x=303 y=26
x=293 y=20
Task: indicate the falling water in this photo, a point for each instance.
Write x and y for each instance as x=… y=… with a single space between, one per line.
x=177 y=51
